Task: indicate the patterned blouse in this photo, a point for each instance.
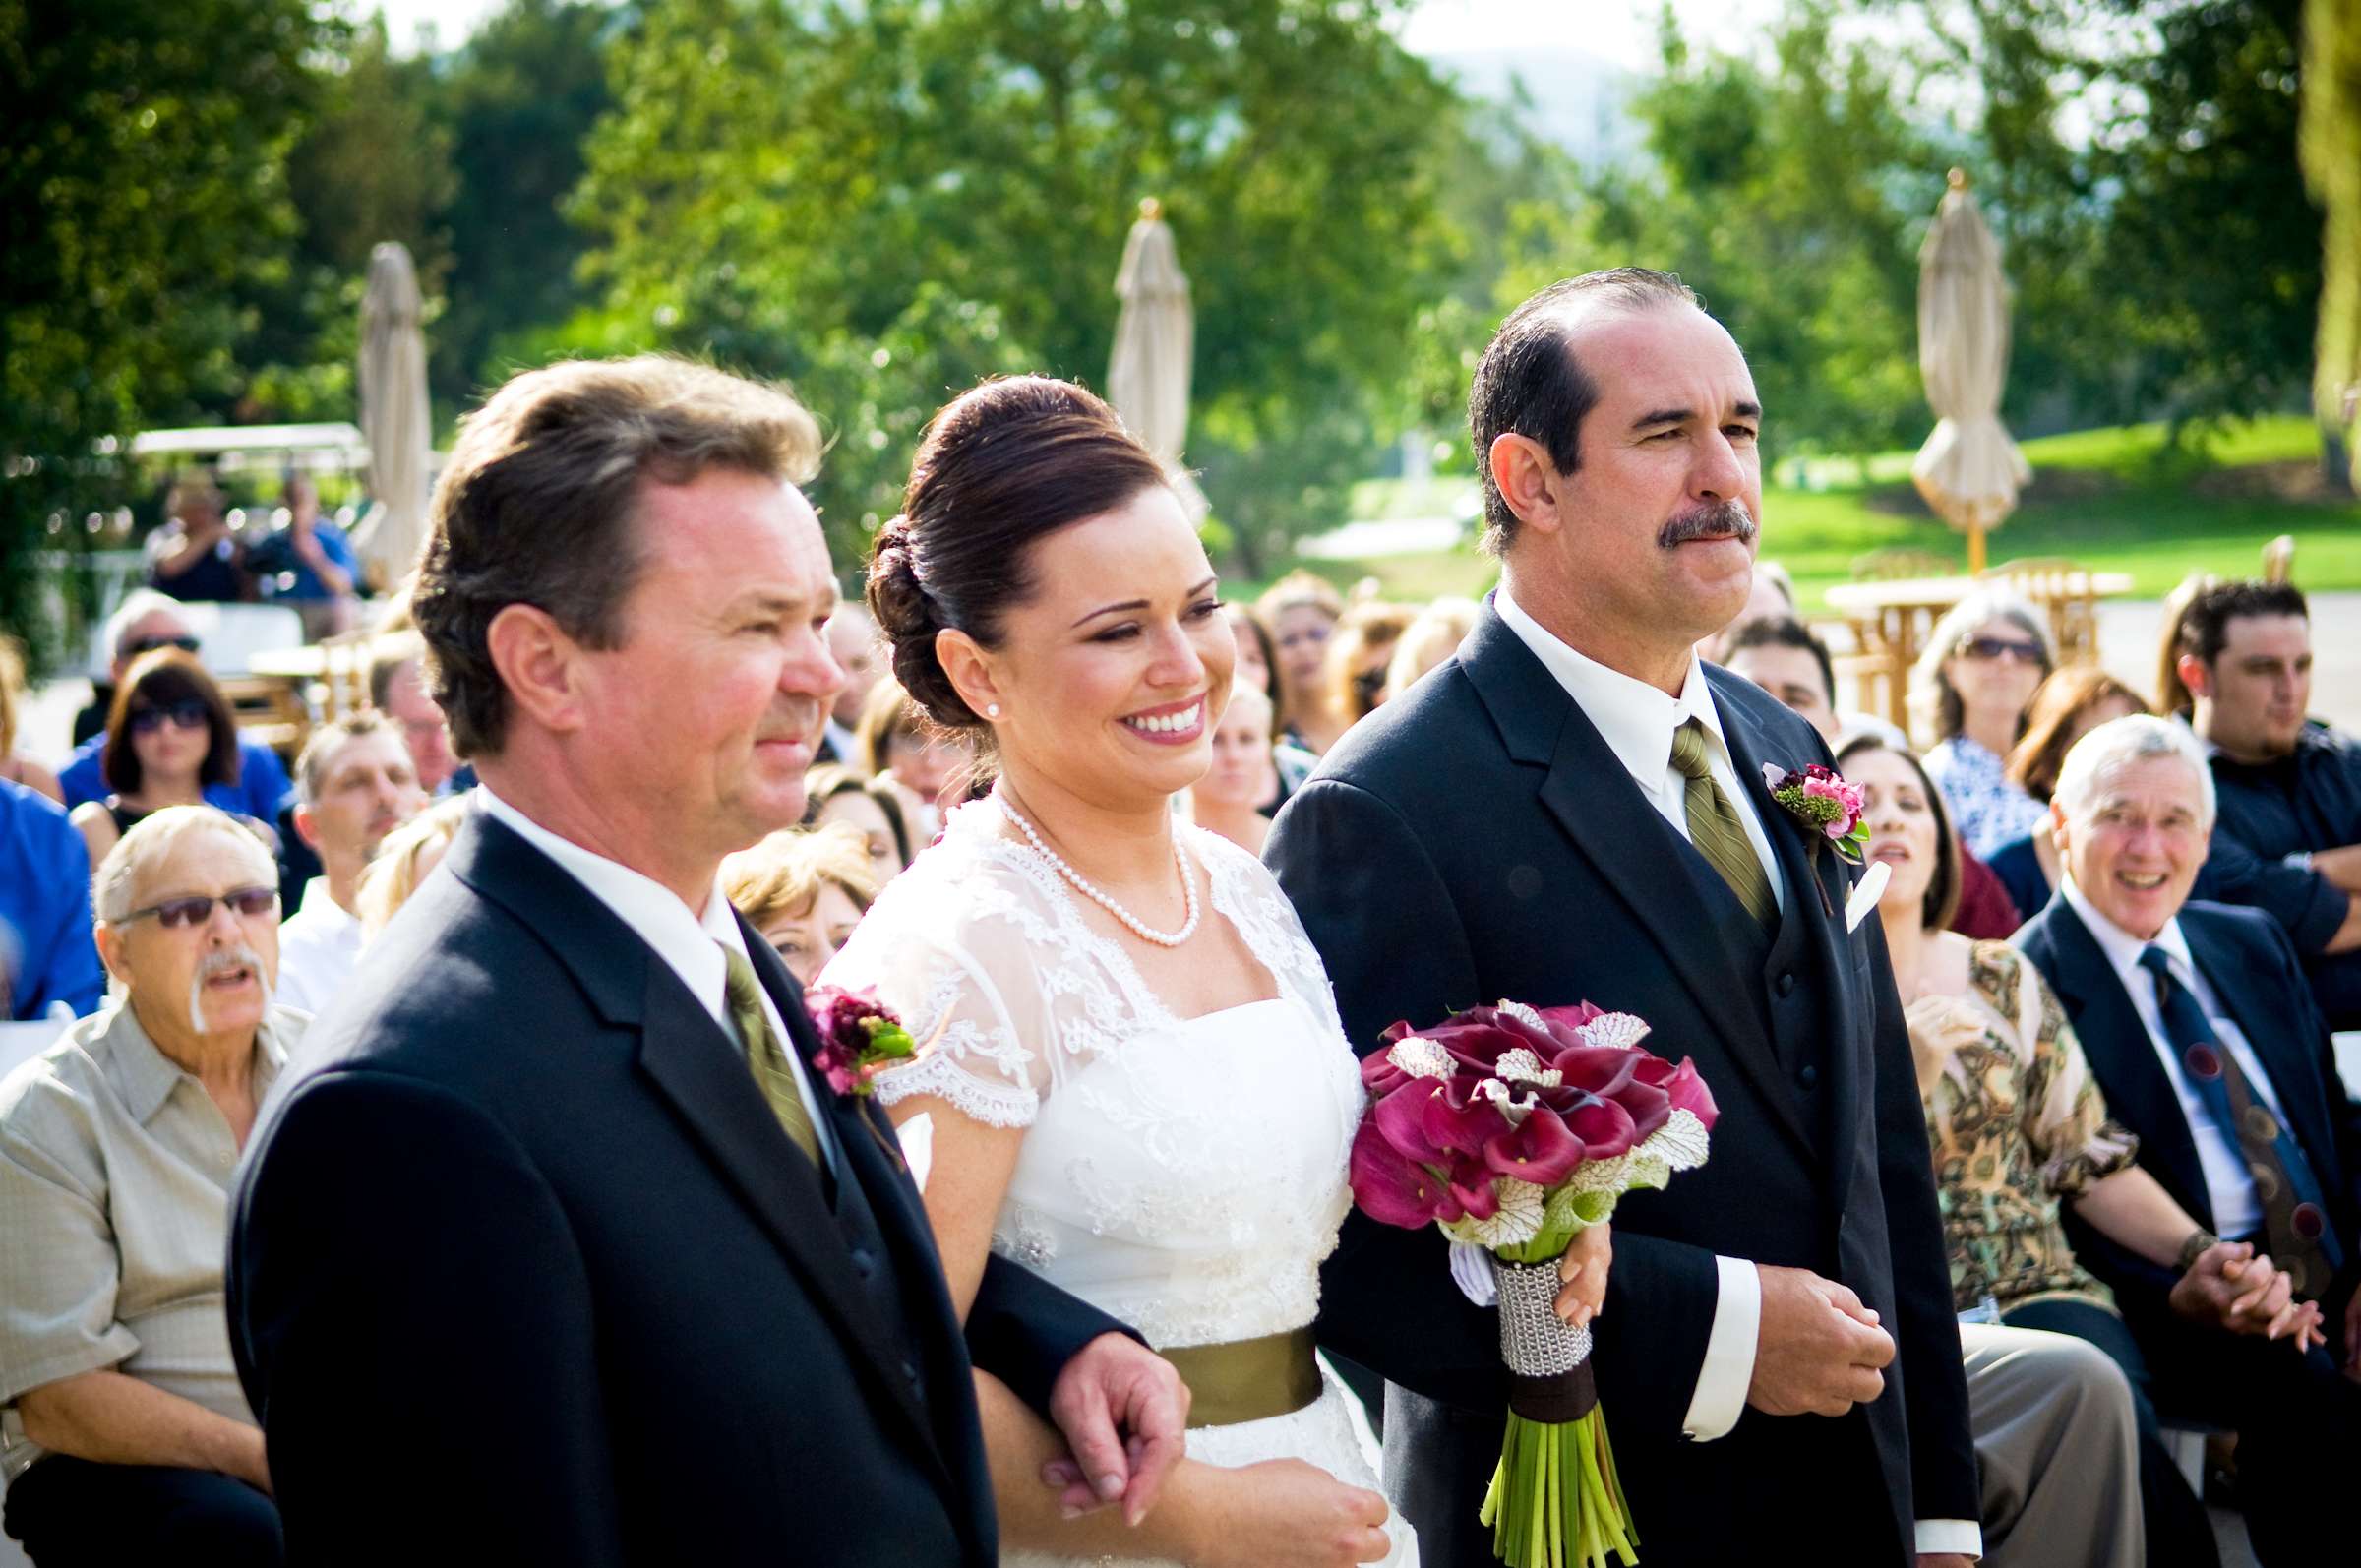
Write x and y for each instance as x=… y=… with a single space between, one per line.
x=1988 y=809
x=2018 y=1124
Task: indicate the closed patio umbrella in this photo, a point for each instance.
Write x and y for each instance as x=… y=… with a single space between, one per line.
x=393 y=415
x=1969 y=470
x=1155 y=335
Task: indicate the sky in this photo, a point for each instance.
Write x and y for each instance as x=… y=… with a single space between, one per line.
x=1619 y=31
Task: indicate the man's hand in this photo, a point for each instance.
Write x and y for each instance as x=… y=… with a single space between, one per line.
x=1582 y=1276
x=1123 y=1413
x=2231 y=1288
x=1819 y=1351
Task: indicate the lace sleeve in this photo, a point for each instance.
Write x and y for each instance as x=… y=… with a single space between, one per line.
x=953 y=963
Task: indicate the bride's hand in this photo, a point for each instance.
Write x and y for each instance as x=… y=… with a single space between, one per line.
x=1583 y=1275
x=1284 y=1513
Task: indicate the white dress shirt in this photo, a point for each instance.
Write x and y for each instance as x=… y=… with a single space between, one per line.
x=2229 y=1181
x=690 y=941
x=318 y=946
x=1637 y=721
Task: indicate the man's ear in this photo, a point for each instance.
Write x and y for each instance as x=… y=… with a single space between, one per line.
x=2057 y=829
x=110 y=950
x=1527 y=479
x=307 y=825
x=2195 y=674
x=541 y=667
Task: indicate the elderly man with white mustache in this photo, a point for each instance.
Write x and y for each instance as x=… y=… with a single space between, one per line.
x=124 y=1435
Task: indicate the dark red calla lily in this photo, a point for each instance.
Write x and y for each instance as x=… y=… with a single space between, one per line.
x=1392 y=1189
x=1459 y=1121
x=1540 y=1149
x=1603 y=1128
x=1683 y=1087
x=1401 y=1119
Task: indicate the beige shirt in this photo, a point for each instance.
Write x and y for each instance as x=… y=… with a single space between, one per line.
x=116 y=1170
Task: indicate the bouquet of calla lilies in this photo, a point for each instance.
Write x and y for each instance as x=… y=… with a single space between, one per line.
x=1513 y=1129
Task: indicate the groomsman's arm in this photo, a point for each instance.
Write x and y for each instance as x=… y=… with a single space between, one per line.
x=1385 y=924
x=426 y=1380
x=1944 y=1490
x=1023 y=1330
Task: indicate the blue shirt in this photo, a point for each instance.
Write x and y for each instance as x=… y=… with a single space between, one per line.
x=46 y=954
x=262 y=779
x=302 y=583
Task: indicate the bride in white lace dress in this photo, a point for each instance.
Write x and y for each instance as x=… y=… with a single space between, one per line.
x=1136 y=1077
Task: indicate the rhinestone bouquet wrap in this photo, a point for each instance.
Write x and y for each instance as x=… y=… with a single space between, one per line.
x=1513 y=1129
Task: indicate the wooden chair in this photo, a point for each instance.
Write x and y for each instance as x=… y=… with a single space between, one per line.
x=345 y=673
x=1896 y=563
x=269 y=711
x=2064 y=588
x=2279 y=559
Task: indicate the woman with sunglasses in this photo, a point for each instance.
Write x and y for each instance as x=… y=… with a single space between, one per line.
x=169 y=736
x=1983 y=663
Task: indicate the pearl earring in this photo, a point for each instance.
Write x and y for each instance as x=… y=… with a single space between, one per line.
x=991 y=711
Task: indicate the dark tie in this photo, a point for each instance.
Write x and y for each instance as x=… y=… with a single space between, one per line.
x=773 y=1075
x=1715 y=828
x=2295 y=1224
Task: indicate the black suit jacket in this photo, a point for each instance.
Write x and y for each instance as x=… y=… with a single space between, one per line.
x=2253 y=969
x=1475 y=839
x=523 y=1269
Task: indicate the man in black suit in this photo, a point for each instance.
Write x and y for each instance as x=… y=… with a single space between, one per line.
x=2201 y=1031
x=555 y=1247
x=1576 y=810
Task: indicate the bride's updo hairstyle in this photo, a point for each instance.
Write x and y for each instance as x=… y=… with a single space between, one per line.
x=1006 y=465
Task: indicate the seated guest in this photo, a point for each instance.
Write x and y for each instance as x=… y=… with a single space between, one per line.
x=1259 y=667
x=1432 y=635
x=929 y=771
x=2202 y=1034
x=1228 y=799
x=397 y=689
x=194 y=555
x=853 y=643
x=2069 y=705
x=1358 y=653
x=1784 y=659
x=146 y=623
x=1982 y=661
x=46 y=956
x=873 y=809
x=125 y=1437
x=2288 y=837
x=1301 y=610
x=803 y=892
x=15 y=769
x=306 y=562
x=353 y=785
x=2057 y=1452
x=2019 y=1130
x=408 y=855
x=169 y=742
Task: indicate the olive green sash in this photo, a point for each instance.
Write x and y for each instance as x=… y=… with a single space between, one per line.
x=1247 y=1381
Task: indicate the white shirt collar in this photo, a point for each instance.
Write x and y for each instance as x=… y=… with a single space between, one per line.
x=319 y=907
x=2123 y=949
x=681 y=936
x=1635 y=719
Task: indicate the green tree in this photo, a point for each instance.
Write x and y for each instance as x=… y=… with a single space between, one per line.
x=141 y=180
x=779 y=185
x=2332 y=156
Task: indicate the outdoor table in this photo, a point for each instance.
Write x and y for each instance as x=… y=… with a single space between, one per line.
x=1891 y=620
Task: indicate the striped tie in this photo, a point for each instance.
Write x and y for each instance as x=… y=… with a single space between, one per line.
x=743 y=994
x=1715 y=828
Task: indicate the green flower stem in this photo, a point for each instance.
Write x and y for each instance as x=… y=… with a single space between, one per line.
x=1555 y=1501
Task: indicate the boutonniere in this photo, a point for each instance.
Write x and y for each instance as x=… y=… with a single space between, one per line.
x=859 y=1038
x=1830 y=809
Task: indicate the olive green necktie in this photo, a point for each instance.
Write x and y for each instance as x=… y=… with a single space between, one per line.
x=774 y=1074
x=1715 y=828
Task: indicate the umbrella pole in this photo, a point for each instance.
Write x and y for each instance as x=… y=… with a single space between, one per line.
x=1976 y=550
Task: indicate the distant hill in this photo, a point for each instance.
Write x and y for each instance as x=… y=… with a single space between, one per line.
x=1575 y=99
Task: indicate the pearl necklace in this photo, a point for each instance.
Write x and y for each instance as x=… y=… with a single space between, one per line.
x=1089 y=889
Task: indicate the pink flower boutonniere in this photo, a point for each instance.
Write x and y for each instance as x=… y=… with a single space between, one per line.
x=859 y=1038
x=1819 y=798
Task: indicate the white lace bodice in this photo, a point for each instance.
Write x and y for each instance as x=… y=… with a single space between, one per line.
x=1187 y=1175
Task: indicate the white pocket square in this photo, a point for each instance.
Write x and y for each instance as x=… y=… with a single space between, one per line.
x=1865 y=894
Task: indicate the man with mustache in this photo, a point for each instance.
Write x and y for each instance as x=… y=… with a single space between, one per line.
x=1776 y=1359
x=124 y=1436
x=560 y=1247
x=354 y=784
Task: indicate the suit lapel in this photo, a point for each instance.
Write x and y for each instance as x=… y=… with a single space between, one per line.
x=1595 y=800
x=2116 y=1044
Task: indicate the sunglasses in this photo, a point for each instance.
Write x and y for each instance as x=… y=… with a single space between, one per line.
x=186 y=714
x=2001 y=649
x=195 y=910
x=142 y=645
x=1367 y=685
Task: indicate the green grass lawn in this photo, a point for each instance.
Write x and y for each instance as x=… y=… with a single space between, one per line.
x=2114 y=499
